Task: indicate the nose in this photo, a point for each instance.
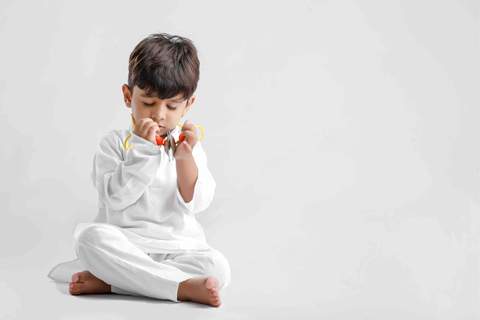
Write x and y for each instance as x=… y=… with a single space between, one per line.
x=160 y=114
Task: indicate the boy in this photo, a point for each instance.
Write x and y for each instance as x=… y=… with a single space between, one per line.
x=146 y=239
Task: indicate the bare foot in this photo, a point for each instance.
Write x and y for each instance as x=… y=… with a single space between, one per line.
x=86 y=283
x=202 y=290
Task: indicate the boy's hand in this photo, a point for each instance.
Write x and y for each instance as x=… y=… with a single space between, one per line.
x=185 y=147
x=147 y=129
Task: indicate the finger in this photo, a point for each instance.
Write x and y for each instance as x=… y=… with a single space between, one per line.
x=183 y=149
x=187 y=125
x=143 y=128
x=190 y=137
x=142 y=121
x=147 y=124
x=189 y=133
x=187 y=146
x=140 y=126
x=152 y=133
x=152 y=130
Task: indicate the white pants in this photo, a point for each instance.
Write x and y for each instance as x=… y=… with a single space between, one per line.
x=105 y=251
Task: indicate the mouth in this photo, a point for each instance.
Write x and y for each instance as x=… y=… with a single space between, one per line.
x=163 y=131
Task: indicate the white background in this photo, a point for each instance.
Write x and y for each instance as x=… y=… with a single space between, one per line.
x=343 y=136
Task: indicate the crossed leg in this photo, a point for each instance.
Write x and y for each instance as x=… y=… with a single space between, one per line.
x=198 y=289
x=113 y=261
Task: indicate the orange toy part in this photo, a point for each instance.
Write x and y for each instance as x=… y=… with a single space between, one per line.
x=160 y=140
x=181 y=137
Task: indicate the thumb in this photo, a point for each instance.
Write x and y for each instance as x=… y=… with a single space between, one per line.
x=187 y=145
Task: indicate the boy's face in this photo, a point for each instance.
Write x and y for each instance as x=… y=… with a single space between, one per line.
x=167 y=113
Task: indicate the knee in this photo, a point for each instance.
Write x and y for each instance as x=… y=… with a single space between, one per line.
x=91 y=234
x=221 y=269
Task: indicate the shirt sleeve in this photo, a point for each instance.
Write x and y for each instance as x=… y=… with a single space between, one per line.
x=122 y=178
x=205 y=185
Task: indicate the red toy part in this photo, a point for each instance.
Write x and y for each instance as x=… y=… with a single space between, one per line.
x=160 y=140
x=181 y=137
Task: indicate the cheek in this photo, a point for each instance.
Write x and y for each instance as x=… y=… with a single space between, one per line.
x=138 y=114
x=173 y=119
x=139 y=111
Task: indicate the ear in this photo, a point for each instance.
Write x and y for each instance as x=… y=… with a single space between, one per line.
x=189 y=105
x=127 y=95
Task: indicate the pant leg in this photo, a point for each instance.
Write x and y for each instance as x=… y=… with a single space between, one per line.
x=111 y=257
x=202 y=263
x=63 y=271
x=117 y=290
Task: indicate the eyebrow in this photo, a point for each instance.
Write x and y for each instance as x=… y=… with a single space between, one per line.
x=147 y=96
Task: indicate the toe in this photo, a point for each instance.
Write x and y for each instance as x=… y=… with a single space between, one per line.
x=213 y=293
x=76 y=277
x=211 y=283
x=81 y=276
x=75 y=288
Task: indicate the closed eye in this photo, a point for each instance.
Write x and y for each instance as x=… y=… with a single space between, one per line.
x=152 y=104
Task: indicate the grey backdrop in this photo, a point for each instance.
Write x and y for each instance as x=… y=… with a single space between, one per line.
x=343 y=136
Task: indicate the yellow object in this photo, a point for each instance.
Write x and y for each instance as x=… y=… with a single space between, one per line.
x=126 y=145
x=200 y=127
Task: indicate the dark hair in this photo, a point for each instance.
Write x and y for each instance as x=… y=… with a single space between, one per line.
x=164 y=65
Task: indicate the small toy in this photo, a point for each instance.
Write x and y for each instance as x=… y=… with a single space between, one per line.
x=172 y=145
x=160 y=140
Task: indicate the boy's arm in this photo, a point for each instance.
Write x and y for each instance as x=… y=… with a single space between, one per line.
x=187 y=174
x=121 y=182
x=195 y=183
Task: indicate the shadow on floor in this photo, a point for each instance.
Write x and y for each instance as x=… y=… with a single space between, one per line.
x=63 y=288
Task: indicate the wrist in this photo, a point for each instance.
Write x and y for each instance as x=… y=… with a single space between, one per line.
x=185 y=158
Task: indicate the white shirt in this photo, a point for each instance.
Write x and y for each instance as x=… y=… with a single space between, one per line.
x=138 y=192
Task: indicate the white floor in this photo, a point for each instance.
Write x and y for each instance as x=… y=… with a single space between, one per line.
x=27 y=293
x=378 y=266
